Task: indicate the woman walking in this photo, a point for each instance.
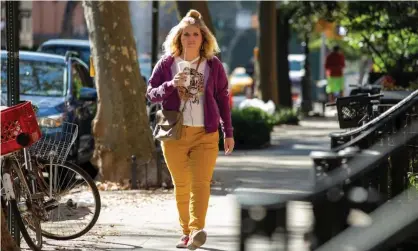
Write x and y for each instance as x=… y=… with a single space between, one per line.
x=191 y=80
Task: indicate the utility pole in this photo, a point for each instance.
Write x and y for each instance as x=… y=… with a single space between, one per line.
x=12 y=47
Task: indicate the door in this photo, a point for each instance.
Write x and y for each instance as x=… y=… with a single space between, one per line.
x=85 y=107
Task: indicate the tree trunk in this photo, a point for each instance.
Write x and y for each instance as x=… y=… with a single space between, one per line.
x=267 y=45
x=121 y=127
x=283 y=80
x=306 y=81
x=202 y=6
x=7 y=241
x=67 y=24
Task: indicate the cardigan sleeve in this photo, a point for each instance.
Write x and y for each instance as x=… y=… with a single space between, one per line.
x=158 y=89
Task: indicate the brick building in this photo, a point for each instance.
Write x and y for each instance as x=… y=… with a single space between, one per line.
x=43 y=20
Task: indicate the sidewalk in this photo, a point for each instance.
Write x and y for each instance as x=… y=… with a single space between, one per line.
x=282 y=168
x=147 y=221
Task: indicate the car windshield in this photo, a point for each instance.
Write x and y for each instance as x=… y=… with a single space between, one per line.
x=83 y=52
x=295 y=65
x=84 y=55
x=37 y=78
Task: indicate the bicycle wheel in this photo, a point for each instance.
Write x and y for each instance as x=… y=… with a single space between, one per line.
x=63 y=207
x=12 y=176
x=34 y=244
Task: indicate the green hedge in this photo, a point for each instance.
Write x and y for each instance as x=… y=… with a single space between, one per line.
x=253 y=126
x=287 y=116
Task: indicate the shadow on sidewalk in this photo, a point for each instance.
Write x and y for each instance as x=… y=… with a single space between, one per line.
x=285 y=167
x=104 y=244
x=81 y=245
x=239 y=176
x=211 y=249
x=286 y=147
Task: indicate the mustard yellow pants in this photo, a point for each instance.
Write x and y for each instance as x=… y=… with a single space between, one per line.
x=191 y=161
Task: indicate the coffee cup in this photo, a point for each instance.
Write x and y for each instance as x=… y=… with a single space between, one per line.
x=184 y=66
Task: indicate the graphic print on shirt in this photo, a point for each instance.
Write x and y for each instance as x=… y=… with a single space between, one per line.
x=195 y=89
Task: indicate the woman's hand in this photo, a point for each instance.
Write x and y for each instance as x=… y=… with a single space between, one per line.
x=229 y=144
x=179 y=79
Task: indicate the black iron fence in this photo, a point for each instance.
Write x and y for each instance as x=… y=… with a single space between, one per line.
x=365 y=171
x=390 y=225
x=392 y=117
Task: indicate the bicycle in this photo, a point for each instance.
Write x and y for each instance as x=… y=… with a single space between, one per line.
x=67 y=181
x=44 y=164
x=19 y=130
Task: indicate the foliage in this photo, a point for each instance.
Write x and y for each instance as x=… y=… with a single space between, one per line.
x=412 y=173
x=387 y=31
x=306 y=17
x=286 y=116
x=307 y=14
x=252 y=128
x=413 y=180
x=350 y=52
x=412 y=86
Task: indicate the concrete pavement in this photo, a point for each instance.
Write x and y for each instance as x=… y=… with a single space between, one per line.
x=284 y=167
x=147 y=220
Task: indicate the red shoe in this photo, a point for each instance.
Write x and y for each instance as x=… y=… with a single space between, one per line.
x=183 y=242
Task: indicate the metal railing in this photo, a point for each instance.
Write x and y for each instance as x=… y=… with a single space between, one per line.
x=350 y=183
x=384 y=232
x=353 y=137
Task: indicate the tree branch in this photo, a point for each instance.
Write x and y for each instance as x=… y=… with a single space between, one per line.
x=371 y=46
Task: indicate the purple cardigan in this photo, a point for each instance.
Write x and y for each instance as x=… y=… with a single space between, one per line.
x=216 y=99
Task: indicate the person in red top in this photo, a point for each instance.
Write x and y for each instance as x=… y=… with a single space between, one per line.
x=334 y=66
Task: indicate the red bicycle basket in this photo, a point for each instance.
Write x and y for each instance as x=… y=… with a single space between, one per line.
x=15 y=120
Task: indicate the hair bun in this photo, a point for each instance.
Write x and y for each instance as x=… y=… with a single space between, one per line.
x=194 y=13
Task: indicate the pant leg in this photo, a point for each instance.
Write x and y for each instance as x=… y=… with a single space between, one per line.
x=176 y=156
x=203 y=156
x=330 y=88
x=340 y=83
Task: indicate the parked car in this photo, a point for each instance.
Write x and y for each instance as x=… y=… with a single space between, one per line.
x=62 y=89
x=61 y=46
x=82 y=47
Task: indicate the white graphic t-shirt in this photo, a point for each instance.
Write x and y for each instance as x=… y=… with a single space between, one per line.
x=192 y=96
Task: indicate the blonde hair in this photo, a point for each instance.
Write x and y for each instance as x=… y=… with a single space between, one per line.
x=172 y=44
